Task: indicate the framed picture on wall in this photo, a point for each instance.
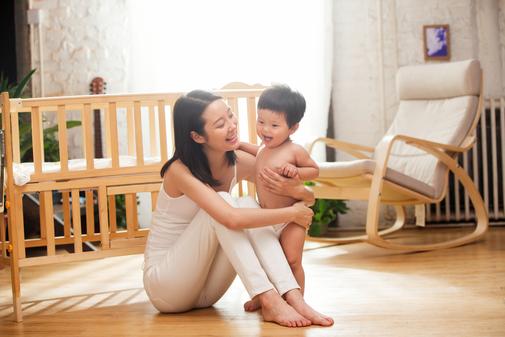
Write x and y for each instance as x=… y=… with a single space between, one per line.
x=436 y=41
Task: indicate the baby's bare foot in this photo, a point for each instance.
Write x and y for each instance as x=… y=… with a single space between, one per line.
x=252 y=305
x=295 y=299
x=275 y=309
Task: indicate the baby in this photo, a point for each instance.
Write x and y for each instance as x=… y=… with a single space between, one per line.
x=280 y=110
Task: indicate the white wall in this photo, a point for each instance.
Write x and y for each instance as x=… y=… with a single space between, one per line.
x=372 y=38
x=81 y=40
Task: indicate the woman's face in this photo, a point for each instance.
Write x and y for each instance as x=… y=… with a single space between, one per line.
x=220 y=127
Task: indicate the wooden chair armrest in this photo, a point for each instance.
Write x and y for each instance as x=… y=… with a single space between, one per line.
x=350 y=148
x=451 y=148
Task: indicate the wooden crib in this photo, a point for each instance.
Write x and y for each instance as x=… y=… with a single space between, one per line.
x=80 y=191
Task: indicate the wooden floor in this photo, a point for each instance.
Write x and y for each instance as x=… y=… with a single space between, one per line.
x=368 y=291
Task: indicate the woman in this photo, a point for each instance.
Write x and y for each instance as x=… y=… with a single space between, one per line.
x=201 y=237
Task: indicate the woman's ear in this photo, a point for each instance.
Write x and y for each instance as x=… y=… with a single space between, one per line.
x=197 y=137
x=293 y=128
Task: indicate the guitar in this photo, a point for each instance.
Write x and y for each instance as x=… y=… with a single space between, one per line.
x=97 y=87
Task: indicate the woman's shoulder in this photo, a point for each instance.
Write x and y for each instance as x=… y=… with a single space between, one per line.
x=176 y=170
x=245 y=165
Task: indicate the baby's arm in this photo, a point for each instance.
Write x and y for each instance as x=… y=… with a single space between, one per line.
x=306 y=168
x=249 y=148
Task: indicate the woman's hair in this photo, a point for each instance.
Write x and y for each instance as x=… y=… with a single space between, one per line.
x=187 y=112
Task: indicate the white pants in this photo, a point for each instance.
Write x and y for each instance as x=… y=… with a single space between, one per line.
x=202 y=264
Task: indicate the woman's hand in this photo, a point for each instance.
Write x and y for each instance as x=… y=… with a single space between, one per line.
x=278 y=184
x=303 y=215
x=290 y=187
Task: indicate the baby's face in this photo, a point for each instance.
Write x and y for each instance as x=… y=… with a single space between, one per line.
x=272 y=128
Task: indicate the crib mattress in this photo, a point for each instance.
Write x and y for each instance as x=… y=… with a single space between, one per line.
x=23 y=171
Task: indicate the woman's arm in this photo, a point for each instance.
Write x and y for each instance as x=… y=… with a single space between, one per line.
x=224 y=213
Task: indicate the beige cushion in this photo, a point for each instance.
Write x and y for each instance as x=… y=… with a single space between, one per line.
x=437 y=81
x=444 y=121
x=348 y=169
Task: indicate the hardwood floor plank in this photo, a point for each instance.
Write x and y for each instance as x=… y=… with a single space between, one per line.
x=367 y=290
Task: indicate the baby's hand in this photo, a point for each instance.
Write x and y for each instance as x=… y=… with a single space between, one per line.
x=288 y=170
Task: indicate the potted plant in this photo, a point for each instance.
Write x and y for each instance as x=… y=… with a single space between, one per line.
x=325 y=212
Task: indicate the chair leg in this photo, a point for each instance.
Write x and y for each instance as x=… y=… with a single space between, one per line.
x=399 y=223
x=482 y=221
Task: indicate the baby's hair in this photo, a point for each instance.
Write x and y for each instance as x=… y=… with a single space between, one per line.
x=283 y=100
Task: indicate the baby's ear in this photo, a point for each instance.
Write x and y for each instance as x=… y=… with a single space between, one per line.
x=293 y=128
x=197 y=137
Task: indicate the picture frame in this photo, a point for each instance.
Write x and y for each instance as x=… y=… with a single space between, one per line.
x=436 y=42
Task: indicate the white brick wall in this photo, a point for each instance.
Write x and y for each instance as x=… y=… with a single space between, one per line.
x=81 y=40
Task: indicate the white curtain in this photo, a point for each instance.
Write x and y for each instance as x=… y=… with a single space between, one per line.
x=188 y=44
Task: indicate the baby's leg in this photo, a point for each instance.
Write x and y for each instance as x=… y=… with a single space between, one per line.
x=292 y=239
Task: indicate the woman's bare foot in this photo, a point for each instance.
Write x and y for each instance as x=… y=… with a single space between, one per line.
x=275 y=309
x=295 y=299
x=252 y=305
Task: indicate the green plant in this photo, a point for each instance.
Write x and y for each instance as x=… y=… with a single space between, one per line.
x=325 y=212
x=15 y=90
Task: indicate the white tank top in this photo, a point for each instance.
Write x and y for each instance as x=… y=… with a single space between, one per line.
x=169 y=220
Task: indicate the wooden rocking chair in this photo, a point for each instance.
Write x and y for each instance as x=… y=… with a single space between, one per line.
x=440 y=105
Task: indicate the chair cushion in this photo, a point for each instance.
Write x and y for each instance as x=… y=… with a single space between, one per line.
x=347 y=169
x=445 y=121
x=438 y=81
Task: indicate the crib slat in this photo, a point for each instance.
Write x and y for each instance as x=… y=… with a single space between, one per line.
x=233 y=104
x=154 y=200
x=152 y=132
x=172 y=133
x=20 y=223
x=139 y=147
x=112 y=213
x=90 y=213
x=163 y=131
x=107 y=149
x=113 y=135
x=131 y=213
x=76 y=220
x=49 y=220
x=66 y=213
x=130 y=130
x=38 y=155
x=42 y=215
x=251 y=120
x=103 y=217
x=62 y=138
x=15 y=136
x=88 y=136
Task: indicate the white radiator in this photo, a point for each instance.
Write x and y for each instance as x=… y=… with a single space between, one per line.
x=485 y=164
